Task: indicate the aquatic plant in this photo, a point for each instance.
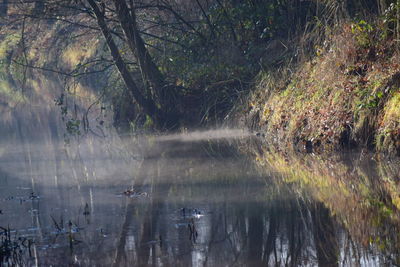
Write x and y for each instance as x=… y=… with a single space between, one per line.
x=13 y=249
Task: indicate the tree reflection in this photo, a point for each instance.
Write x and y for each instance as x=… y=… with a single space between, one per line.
x=283 y=231
x=204 y=206
x=325 y=238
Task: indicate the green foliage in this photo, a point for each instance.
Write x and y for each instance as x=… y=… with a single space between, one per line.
x=391 y=19
x=251 y=20
x=362 y=31
x=236 y=35
x=148 y=124
x=73 y=126
x=371 y=100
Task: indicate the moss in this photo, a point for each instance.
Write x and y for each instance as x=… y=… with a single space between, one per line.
x=392 y=110
x=388 y=136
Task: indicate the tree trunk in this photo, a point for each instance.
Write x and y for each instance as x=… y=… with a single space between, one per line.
x=149 y=70
x=325 y=240
x=162 y=92
x=148 y=105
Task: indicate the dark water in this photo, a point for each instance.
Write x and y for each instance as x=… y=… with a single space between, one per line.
x=211 y=198
x=172 y=201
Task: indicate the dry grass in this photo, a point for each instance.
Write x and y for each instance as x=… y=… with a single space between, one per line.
x=346 y=95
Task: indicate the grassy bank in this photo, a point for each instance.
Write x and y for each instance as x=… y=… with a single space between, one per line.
x=347 y=95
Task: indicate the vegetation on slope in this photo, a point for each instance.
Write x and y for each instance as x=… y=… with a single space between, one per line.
x=320 y=74
x=347 y=95
x=192 y=59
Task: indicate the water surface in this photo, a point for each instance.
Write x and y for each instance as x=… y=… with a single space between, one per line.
x=205 y=198
x=170 y=201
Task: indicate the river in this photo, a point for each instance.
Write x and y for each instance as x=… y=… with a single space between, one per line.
x=191 y=199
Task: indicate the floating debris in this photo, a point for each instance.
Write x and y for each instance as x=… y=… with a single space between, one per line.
x=134 y=193
x=102 y=232
x=129 y=192
x=33 y=196
x=192 y=213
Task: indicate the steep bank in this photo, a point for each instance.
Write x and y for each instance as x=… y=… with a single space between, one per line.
x=346 y=96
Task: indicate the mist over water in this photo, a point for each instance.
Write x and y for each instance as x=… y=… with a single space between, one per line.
x=215 y=134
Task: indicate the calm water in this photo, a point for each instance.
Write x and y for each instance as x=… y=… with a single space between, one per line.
x=186 y=200
x=170 y=201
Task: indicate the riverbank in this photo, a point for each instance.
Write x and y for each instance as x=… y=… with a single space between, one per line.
x=346 y=96
x=333 y=86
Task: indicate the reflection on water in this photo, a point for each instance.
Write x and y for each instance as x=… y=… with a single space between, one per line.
x=361 y=193
x=187 y=200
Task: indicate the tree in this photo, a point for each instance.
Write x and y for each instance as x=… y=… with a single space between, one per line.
x=156 y=104
x=193 y=57
x=116 y=21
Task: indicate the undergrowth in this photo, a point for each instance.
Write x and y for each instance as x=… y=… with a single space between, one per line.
x=347 y=95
